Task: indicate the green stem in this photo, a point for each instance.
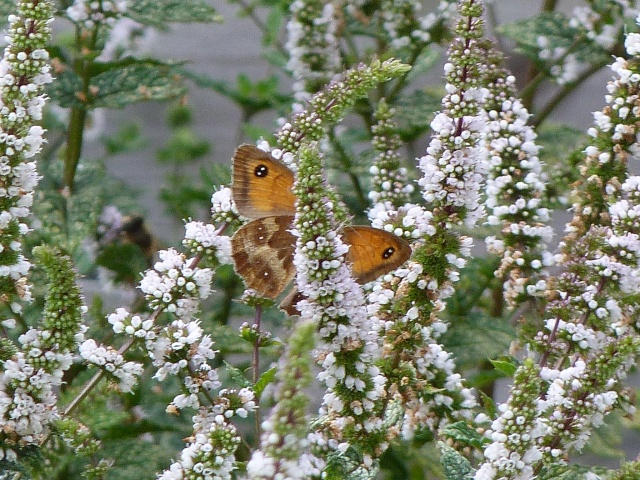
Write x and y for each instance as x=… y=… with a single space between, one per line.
x=74 y=145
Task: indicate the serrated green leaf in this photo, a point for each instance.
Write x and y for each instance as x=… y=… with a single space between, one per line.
x=237 y=375
x=157 y=13
x=414 y=113
x=425 y=62
x=66 y=90
x=505 y=366
x=456 y=467
x=265 y=379
x=133 y=83
x=462 y=433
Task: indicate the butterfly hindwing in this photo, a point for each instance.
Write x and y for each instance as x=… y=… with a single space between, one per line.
x=262 y=252
x=261 y=184
x=373 y=252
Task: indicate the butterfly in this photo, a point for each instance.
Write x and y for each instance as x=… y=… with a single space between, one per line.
x=262 y=250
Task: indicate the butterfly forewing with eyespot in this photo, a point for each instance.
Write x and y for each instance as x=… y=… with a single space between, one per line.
x=261 y=184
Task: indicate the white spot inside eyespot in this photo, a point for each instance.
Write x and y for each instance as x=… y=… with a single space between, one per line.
x=260 y=238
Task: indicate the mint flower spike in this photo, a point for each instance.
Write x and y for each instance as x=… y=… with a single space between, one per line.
x=314 y=55
x=591 y=335
x=515 y=188
x=334 y=301
x=284 y=446
x=330 y=104
x=24 y=71
x=29 y=379
x=407 y=304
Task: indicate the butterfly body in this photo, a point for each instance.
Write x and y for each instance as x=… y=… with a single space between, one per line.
x=263 y=249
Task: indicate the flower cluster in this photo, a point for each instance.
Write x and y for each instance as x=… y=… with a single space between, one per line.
x=110 y=361
x=176 y=286
x=123 y=322
x=182 y=348
x=223 y=209
x=24 y=71
x=314 y=57
x=90 y=13
x=335 y=302
x=204 y=238
x=514 y=189
x=210 y=452
x=590 y=336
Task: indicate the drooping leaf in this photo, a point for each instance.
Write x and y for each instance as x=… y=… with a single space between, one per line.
x=119 y=87
x=236 y=375
x=157 y=13
x=265 y=379
x=507 y=366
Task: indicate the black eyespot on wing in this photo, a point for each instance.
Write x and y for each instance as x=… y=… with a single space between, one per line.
x=388 y=252
x=261 y=171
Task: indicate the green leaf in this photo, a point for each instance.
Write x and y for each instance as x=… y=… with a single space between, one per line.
x=66 y=90
x=508 y=367
x=265 y=379
x=463 y=433
x=555 y=28
x=157 y=13
x=252 y=97
x=489 y=404
x=478 y=336
x=456 y=467
x=414 y=112
x=119 y=87
x=237 y=375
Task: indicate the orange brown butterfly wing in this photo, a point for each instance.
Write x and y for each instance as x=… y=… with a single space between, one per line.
x=261 y=184
x=262 y=251
x=373 y=252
